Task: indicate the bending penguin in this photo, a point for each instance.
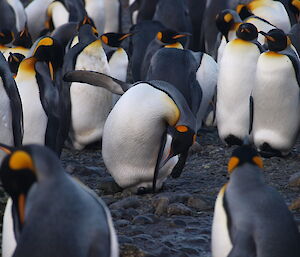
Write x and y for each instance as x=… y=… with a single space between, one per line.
x=237 y=67
x=72 y=212
x=250 y=217
x=141 y=152
x=276 y=104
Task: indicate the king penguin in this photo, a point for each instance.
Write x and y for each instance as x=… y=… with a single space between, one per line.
x=276 y=97
x=89 y=105
x=250 y=217
x=237 y=67
x=141 y=139
x=11 y=114
x=39 y=95
x=72 y=212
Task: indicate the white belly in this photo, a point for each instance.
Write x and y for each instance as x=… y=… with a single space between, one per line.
x=8 y=235
x=111 y=15
x=132 y=136
x=20 y=13
x=95 y=10
x=35 y=118
x=220 y=240
x=235 y=83
x=276 y=103
x=90 y=105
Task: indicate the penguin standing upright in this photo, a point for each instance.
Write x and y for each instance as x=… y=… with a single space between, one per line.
x=88 y=54
x=237 y=67
x=250 y=217
x=72 y=212
x=39 y=95
x=276 y=100
x=137 y=162
x=118 y=60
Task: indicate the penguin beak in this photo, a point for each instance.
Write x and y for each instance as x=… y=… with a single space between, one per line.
x=267 y=36
x=181 y=35
x=125 y=36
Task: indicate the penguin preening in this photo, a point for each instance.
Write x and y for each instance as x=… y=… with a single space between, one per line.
x=276 y=97
x=72 y=212
x=237 y=67
x=250 y=217
x=39 y=95
x=88 y=54
x=137 y=162
x=14 y=61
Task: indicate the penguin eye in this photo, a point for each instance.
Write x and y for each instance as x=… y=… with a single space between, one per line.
x=258 y=161
x=233 y=163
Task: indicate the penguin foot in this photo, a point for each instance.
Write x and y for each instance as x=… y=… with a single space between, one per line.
x=266 y=151
x=233 y=140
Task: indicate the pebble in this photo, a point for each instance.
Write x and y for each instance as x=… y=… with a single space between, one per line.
x=142 y=220
x=160 y=204
x=294 y=180
x=178 y=209
x=177 y=223
x=198 y=203
x=129 y=202
x=124 y=240
x=121 y=223
x=109 y=186
x=130 y=250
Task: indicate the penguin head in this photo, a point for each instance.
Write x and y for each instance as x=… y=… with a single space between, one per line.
x=277 y=40
x=23 y=167
x=6 y=36
x=49 y=50
x=242 y=155
x=14 y=61
x=89 y=21
x=182 y=139
x=114 y=39
x=18 y=174
x=225 y=21
x=23 y=38
x=247 y=32
x=169 y=36
x=243 y=11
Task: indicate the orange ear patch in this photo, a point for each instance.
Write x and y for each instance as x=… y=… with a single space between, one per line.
x=104 y=39
x=258 y=161
x=159 y=35
x=233 y=163
x=21 y=160
x=182 y=128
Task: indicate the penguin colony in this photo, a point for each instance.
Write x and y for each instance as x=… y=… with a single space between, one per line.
x=71 y=76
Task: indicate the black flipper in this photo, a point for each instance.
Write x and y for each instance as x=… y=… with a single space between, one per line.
x=97 y=79
x=251 y=113
x=15 y=101
x=159 y=158
x=243 y=245
x=295 y=61
x=177 y=170
x=49 y=97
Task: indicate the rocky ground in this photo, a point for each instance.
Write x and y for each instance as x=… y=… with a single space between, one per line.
x=176 y=221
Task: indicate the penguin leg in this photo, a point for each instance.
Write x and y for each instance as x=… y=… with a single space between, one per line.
x=177 y=170
x=243 y=245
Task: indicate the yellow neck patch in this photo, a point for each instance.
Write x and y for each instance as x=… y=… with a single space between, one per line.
x=296 y=3
x=232 y=164
x=258 y=161
x=176 y=45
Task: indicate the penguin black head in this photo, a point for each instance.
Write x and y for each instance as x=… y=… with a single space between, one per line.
x=169 y=36
x=247 y=32
x=6 y=36
x=243 y=11
x=244 y=154
x=114 y=39
x=23 y=38
x=17 y=174
x=88 y=20
x=14 y=61
x=48 y=49
x=277 y=40
x=225 y=21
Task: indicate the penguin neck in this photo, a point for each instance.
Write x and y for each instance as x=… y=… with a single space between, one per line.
x=175 y=45
x=247 y=175
x=27 y=66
